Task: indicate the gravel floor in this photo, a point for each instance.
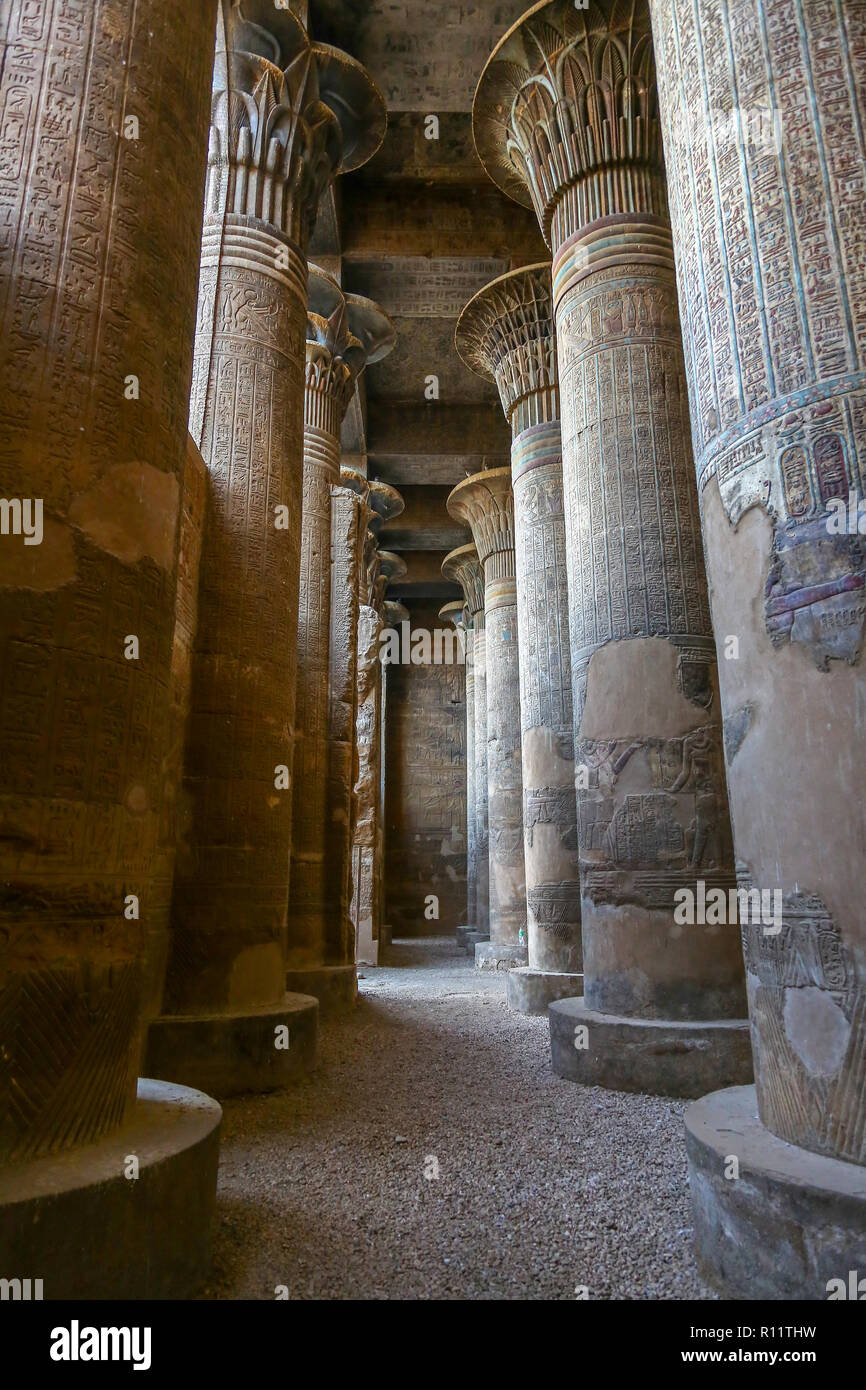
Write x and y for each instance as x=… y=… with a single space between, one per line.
x=543 y=1187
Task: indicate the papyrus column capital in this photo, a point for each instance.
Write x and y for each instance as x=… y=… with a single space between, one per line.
x=507 y=334
x=485 y=503
x=287 y=115
x=462 y=566
x=565 y=121
x=345 y=333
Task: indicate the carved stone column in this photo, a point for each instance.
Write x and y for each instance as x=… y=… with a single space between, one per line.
x=393 y=614
x=464 y=568
x=763 y=108
x=458 y=614
x=344 y=333
x=507 y=333
x=287 y=115
x=368 y=851
x=485 y=503
x=349 y=517
x=565 y=121
x=101 y=179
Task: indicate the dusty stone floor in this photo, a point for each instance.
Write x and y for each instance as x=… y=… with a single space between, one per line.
x=542 y=1186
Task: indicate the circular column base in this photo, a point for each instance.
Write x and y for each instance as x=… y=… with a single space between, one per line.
x=461 y=934
x=335 y=987
x=657 y=1057
x=78 y=1223
x=473 y=939
x=530 y=991
x=231 y=1054
x=788 y=1224
x=495 y=955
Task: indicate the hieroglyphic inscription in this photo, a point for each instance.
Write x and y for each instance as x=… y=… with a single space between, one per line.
x=99 y=244
x=771 y=251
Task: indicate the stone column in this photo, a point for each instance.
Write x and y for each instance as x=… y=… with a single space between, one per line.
x=464 y=568
x=762 y=108
x=507 y=333
x=393 y=614
x=101 y=179
x=286 y=116
x=485 y=503
x=344 y=333
x=663 y=1008
x=349 y=515
x=368 y=853
x=458 y=614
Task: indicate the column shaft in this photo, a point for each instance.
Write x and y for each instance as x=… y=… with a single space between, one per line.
x=348 y=526
x=315 y=905
x=366 y=836
x=471 y=832
x=457 y=613
x=482 y=834
x=232 y=879
x=462 y=566
x=97 y=302
x=652 y=811
x=547 y=738
x=762 y=107
x=504 y=773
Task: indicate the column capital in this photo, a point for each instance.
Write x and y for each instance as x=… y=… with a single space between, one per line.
x=389 y=568
x=394 y=612
x=386 y=503
x=286 y=116
x=454 y=613
x=485 y=503
x=392 y=566
x=345 y=333
x=355 y=482
x=565 y=116
x=462 y=566
x=507 y=334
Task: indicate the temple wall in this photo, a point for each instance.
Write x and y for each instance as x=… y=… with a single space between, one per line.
x=425 y=781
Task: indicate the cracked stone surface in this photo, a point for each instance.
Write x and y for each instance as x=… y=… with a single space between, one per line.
x=543 y=1186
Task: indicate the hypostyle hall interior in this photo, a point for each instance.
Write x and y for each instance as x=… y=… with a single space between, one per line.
x=432 y=601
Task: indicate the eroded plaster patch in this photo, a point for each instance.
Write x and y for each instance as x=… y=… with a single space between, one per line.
x=132 y=513
x=817 y=1029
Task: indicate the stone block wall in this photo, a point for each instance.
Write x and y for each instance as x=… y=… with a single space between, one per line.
x=425 y=780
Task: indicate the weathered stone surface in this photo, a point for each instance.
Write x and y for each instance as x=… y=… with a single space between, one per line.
x=507 y=331
x=493 y=955
x=92 y=1232
x=762 y=109
x=679 y=1057
x=100 y=238
x=486 y=503
x=789 y=1225
x=652 y=810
